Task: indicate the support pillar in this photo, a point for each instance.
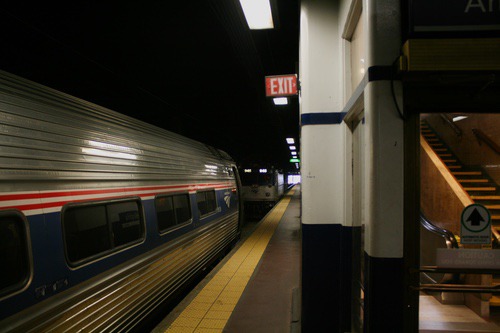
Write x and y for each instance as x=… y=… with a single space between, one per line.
x=322 y=167
x=384 y=173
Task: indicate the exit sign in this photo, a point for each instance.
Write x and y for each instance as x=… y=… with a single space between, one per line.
x=281 y=85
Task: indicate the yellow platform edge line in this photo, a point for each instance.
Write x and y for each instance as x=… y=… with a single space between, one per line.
x=226 y=287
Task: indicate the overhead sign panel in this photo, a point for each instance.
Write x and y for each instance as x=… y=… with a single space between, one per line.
x=468 y=258
x=281 y=85
x=457 y=16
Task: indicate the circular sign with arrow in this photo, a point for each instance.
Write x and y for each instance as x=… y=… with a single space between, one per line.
x=475 y=225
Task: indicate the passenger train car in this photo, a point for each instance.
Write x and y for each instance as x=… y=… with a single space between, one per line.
x=262 y=188
x=102 y=217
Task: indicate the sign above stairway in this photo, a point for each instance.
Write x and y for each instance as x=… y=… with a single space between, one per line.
x=475 y=225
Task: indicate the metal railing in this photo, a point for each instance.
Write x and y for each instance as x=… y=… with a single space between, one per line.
x=481 y=137
x=450 y=123
x=451 y=243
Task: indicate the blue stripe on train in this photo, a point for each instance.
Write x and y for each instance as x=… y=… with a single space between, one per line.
x=51 y=268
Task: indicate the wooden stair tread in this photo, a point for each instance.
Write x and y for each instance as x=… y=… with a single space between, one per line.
x=482 y=189
x=495 y=300
x=467 y=173
x=493 y=207
x=473 y=180
x=444 y=155
x=449 y=161
x=454 y=166
x=485 y=197
x=440 y=149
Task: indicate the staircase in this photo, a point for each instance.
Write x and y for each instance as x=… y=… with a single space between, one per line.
x=475 y=182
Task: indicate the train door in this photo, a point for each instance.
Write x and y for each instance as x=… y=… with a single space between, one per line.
x=459 y=222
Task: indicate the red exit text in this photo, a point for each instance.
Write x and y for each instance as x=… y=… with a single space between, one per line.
x=282 y=85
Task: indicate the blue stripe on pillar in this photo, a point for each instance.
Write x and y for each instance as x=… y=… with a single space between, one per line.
x=384 y=294
x=327 y=277
x=346 y=296
x=321 y=266
x=322 y=118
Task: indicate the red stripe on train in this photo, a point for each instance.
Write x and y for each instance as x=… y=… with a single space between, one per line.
x=62 y=203
x=45 y=195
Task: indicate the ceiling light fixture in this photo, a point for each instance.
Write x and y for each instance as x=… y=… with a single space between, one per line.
x=280 y=101
x=458 y=118
x=290 y=141
x=292 y=147
x=258 y=14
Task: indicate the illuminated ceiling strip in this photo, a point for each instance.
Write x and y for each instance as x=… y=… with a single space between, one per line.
x=258 y=14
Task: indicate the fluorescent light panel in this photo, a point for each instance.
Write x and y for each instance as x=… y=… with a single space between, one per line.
x=290 y=141
x=294 y=153
x=280 y=101
x=258 y=14
x=458 y=118
x=292 y=147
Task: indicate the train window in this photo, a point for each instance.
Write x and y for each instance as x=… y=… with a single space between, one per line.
x=126 y=222
x=206 y=202
x=96 y=229
x=172 y=210
x=14 y=253
x=182 y=208
x=257 y=178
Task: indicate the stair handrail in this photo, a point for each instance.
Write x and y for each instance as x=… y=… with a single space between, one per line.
x=481 y=136
x=451 y=241
x=450 y=122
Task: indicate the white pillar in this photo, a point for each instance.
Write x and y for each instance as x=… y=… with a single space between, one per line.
x=322 y=165
x=384 y=171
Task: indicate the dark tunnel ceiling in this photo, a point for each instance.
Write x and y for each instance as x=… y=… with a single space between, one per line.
x=191 y=67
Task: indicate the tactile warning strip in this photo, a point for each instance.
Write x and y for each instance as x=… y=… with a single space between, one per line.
x=211 y=308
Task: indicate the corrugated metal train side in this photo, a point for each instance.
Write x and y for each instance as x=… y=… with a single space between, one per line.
x=165 y=205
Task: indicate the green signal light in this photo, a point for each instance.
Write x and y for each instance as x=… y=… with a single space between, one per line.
x=294 y=160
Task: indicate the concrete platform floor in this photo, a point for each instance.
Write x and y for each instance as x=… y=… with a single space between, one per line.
x=270 y=300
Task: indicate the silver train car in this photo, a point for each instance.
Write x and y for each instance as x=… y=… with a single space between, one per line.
x=102 y=217
x=262 y=188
